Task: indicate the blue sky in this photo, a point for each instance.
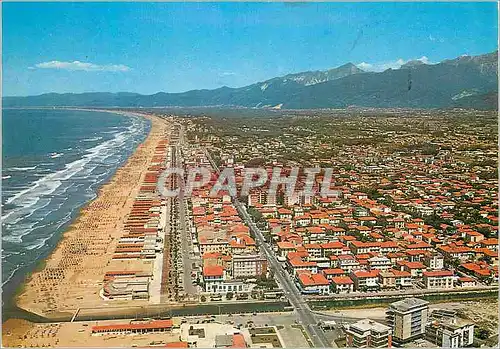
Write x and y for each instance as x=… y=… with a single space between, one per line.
x=174 y=47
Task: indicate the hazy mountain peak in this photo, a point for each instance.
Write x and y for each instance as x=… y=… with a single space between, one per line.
x=467 y=81
x=413 y=63
x=319 y=76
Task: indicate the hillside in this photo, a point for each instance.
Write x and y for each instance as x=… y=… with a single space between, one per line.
x=466 y=81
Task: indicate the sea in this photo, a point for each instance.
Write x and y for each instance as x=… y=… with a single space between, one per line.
x=53 y=163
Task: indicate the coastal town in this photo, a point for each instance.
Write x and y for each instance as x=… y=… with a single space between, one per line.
x=402 y=252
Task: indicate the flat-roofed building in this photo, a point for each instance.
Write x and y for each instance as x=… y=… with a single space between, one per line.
x=407 y=319
x=245 y=266
x=380 y=263
x=136 y=327
x=126 y=285
x=394 y=278
x=367 y=333
x=450 y=334
x=434 y=261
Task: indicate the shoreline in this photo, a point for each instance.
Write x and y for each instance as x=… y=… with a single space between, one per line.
x=15 y=286
x=26 y=298
x=17 y=281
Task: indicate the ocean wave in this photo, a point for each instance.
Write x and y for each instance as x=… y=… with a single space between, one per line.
x=56 y=155
x=27 y=198
x=41 y=241
x=36 y=209
x=6 y=177
x=93 y=139
x=16 y=234
x=11 y=275
x=20 y=168
x=17 y=218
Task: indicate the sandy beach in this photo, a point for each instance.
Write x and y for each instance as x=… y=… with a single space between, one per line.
x=21 y=333
x=72 y=276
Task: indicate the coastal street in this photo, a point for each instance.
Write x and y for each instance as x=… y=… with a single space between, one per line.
x=183 y=226
x=180 y=228
x=305 y=316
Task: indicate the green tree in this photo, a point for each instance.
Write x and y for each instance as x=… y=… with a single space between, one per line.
x=482 y=333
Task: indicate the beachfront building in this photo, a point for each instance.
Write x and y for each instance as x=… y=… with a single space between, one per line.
x=126 y=285
x=135 y=327
x=368 y=334
x=407 y=318
x=394 y=278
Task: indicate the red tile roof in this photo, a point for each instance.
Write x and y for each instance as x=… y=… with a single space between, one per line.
x=308 y=279
x=238 y=341
x=415 y=265
x=177 y=345
x=342 y=280
x=366 y=274
x=438 y=273
x=333 y=271
x=155 y=324
x=215 y=270
x=332 y=245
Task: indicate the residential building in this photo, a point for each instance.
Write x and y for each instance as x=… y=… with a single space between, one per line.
x=380 y=263
x=248 y=266
x=342 y=284
x=407 y=318
x=450 y=334
x=394 y=278
x=365 y=280
x=313 y=283
x=368 y=334
x=434 y=261
x=439 y=279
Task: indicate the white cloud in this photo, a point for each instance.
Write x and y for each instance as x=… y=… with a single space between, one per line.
x=433 y=38
x=228 y=73
x=365 y=66
x=396 y=64
x=80 y=66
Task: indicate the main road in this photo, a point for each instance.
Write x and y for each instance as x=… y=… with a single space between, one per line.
x=180 y=227
x=305 y=316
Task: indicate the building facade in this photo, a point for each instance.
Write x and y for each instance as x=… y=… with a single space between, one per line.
x=408 y=318
x=248 y=266
x=368 y=334
x=450 y=335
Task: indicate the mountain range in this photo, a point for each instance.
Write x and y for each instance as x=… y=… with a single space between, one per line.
x=465 y=82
